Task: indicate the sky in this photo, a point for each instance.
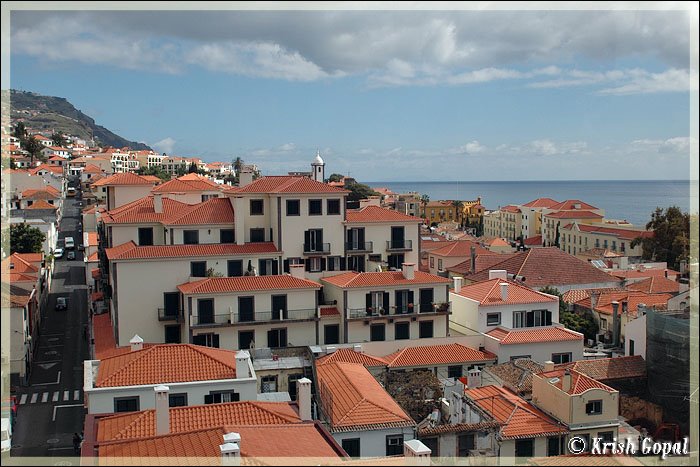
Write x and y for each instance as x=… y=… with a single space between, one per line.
x=422 y=94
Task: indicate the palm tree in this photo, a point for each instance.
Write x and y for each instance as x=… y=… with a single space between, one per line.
x=424 y=199
x=238 y=164
x=459 y=205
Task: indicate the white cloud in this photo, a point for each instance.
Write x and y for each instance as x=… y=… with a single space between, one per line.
x=165 y=145
x=678 y=145
x=288 y=147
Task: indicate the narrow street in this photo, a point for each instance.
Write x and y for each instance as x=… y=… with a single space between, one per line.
x=50 y=407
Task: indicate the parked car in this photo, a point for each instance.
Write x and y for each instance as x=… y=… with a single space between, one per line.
x=58 y=253
x=70 y=255
x=6 y=434
x=70 y=243
x=61 y=303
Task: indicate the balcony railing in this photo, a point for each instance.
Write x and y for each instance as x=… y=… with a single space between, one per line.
x=232 y=319
x=168 y=315
x=359 y=246
x=317 y=249
x=372 y=312
x=398 y=245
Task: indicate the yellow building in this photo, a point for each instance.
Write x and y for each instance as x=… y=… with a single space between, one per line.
x=452 y=211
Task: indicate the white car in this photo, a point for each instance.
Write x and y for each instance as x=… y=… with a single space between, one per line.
x=6 y=435
x=58 y=253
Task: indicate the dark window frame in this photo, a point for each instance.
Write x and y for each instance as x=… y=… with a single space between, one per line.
x=320 y=207
x=332 y=212
x=197 y=263
x=143 y=230
x=291 y=202
x=455 y=371
x=255 y=204
x=257 y=230
x=187 y=232
x=404 y=325
x=394 y=445
x=596 y=407
x=182 y=396
x=127 y=399
x=488 y=315
x=421 y=325
x=381 y=326
x=226 y=232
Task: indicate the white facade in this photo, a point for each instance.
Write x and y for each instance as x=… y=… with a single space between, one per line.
x=636 y=337
x=377 y=238
x=539 y=351
x=119 y=195
x=373 y=442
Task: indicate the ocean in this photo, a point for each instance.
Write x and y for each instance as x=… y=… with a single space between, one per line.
x=633 y=200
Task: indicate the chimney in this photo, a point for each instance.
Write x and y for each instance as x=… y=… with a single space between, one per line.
x=458 y=283
x=498 y=274
x=594 y=301
x=136 y=343
x=666 y=273
x=548 y=366
x=231 y=449
x=162 y=410
x=304 y=399
x=242 y=360
x=504 y=291
x=297 y=270
x=566 y=381
x=158 y=203
x=616 y=323
x=473 y=259
x=416 y=452
x=474 y=378
x=641 y=309
x=409 y=270
x=357 y=348
x=245 y=177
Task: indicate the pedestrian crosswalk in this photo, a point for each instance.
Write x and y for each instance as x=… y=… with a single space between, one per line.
x=51 y=396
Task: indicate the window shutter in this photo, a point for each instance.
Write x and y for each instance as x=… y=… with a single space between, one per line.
x=386 y=302
x=285 y=265
x=271 y=339
x=307 y=240
x=283 y=338
x=361 y=238
x=307 y=263
x=410 y=296
x=331 y=263
x=262 y=267
x=399 y=300
x=275 y=267
x=208 y=399
x=368 y=300
x=215 y=341
x=323 y=264
x=343 y=263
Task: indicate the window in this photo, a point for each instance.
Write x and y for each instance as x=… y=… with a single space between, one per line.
x=126 y=404
x=603 y=324
x=257 y=235
x=268 y=383
x=351 y=446
x=268 y=267
x=402 y=330
x=207 y=340
x=333 y=263
x=605 y=244
x=528 y=319
x=614 y=245
x=432 y=262
x=315 y=264
x=172 y=334
x=198 y=269
x=606 y=436
x=454 y=371
x=425 y=329
x=631 y=347
x=554 y=445
x=395 y=261
x=315 y=207
x=561 y=357
x=331 y=334
x=432 y=444
x=234 y=267
x=190 y=237
x=313 y=241
x=218 y=397
x=246 y=340
x=257 y=207
x=465 y=443
x=524 y=448
x=145 y=236
x=293 y=207
x=277 y=338
x=493 y=319
x=394 y=445
x=594 y=407
x=227 y=236
x=377 y=332
x=439 y=264
x=516 y=357
x=333 y=206
x=177 y=400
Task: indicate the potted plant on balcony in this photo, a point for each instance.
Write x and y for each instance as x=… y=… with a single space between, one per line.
x=410 y=307
x=382 y=311
x=370 y=310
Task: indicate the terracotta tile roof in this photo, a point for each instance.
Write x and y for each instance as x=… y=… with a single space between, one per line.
x=124 y=178
x=570 y=204
x=599 y=253
x=483 y=261
x=498 y=242
x=532 y=335
x=379 y=279
x=196 y=417
x=623 y=234
x=516 y=375
x=353 y=400
x=519 y=419
x=92 y=169
x=153 y=178
x=548 y=266
x=96 y=273
x=167 y=363
x=288 y=184
x=212 y=211
x=129 y=250
x=580 y=383
x=105 y=344
x=532 y=241
x=45 y=193
x=573 y=215
x=460 y=248
x=329 y=311
x=594 y=461
x=41 y=204
x=245 y=284
x=656 y=284
x=488 y=293
x=370 y=214
x=187 y=184
x=510 y=208
x=91 y=238
x=576 y=295
x=20 y=262
x=142 y=211
x=93 y=258
x=610 y=369
x=436 y=355
x=633 y=298
x=14 y=301
x=541 y=203
x=644 y=273
x=458 y=428
x=346 y=355
x=17 y=277
x=201 y=447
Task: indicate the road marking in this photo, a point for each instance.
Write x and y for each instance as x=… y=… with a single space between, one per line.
x=76 y=395
x=65 y=395
x=60 y=449
x=45 y=397
x=55 y=396
x=46 y=366
x=34 y=397
x=23 y=399
x=53 y=419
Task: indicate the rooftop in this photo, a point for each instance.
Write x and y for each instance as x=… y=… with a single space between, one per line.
x=130 y=250
x=187 y=183
x=533 y=335
x=541 y=203
x=483 y=261
x=246 y=284
x=656 y=284
x=610 y=369
x=574 y=215
x=572 y=204
x=377 y=214
x=633 y=298
x=346 y=355
x=516 y=375
x=378 y=279
x=436 y=355
x=580 y=383
x=488 y=293
x=623 y=234
x=460 y=248
x=124 y=178
x=288 y=184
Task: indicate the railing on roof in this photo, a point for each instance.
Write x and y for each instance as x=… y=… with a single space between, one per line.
x=165 y=314
x=393 y=311
x=359 y=246
x=257 y=317
x=397 y=245
x=317 y=249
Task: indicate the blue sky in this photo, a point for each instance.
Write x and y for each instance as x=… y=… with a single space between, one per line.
x=384 y=95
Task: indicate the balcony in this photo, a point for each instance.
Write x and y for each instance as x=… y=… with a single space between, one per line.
x=317 y=249
x=399 y=245
x=359 y=247
x=168 y=315
x=407 y=310
x=259 y=317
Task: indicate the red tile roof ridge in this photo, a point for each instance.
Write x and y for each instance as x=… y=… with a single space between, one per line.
x=225 y=284
x=436 y=354
x=348 y=355
x=378 y=214
x=580 y=382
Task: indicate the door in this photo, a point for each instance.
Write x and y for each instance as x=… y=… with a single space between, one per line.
x=426 y=300
x=397 y=237
x=331 y=334
x=246 y=309
x=171 y=302
x=279 y=307
x=524 y=448
x=205 y=311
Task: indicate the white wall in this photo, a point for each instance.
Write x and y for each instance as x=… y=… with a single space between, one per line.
x=298 y=334
x=293 y=227
x=373 y=442
x=540 y=351
x=636 y=330
x=121 y=195
x=360 y=332
x=123 y=233
x=465 y=313
x=207 y=234
x=380 y=233
x=18 y=330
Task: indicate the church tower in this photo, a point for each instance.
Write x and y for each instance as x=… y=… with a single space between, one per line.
x=318 y=168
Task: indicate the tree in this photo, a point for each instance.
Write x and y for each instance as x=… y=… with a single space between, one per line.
x=33 y=147
x=59 y=139
x=180 y=171
x=670 y=241
x=238 y=164
x=424 y=200
x=20 y=131
x=578 y=322
x=556 y=236
x=459 y=205
x=360 y=191
x=418 y=392
x=193 y=168
x=154 y=170
x=26 y=239
x=212 y=273
x=335 y=178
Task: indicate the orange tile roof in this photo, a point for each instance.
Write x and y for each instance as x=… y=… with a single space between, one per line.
x=196 y=417
x=17 y=277
x=632 y=297
x=346 y=355
x=580 y=383
x=212 y=211
x=519 y=418
x=92 y=239
x=531 y=241
x=329 y=311
x=483 y=261
x=57 y=169
x=95 y=273
x=510 y=208
x=541 y=203
x=644 y=273
x=583 y=459
x=142 y=210
x=623 y=234
x=124 y=178
x=548 y=266
x=488 y=293
x=167 y=363
x=437 y=355
x=380 y=279
x=656 y=284
x=573 y=215
x=460 y=248
x=532 y=335
x=129 y=250
x=570 y=204
x=105 y=343
x=376 y=214
x=41 y=204
x=576 y=295
x=245 y=284
x=187 y=183
x=45 y=193
x=91 y=169
x=152 y=178
x=288 y=184
x=605 y=369
x=20 y=263
x=353 y=400
x=498 y=242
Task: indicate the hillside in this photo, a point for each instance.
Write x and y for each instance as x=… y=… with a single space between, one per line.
x=48 y=113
